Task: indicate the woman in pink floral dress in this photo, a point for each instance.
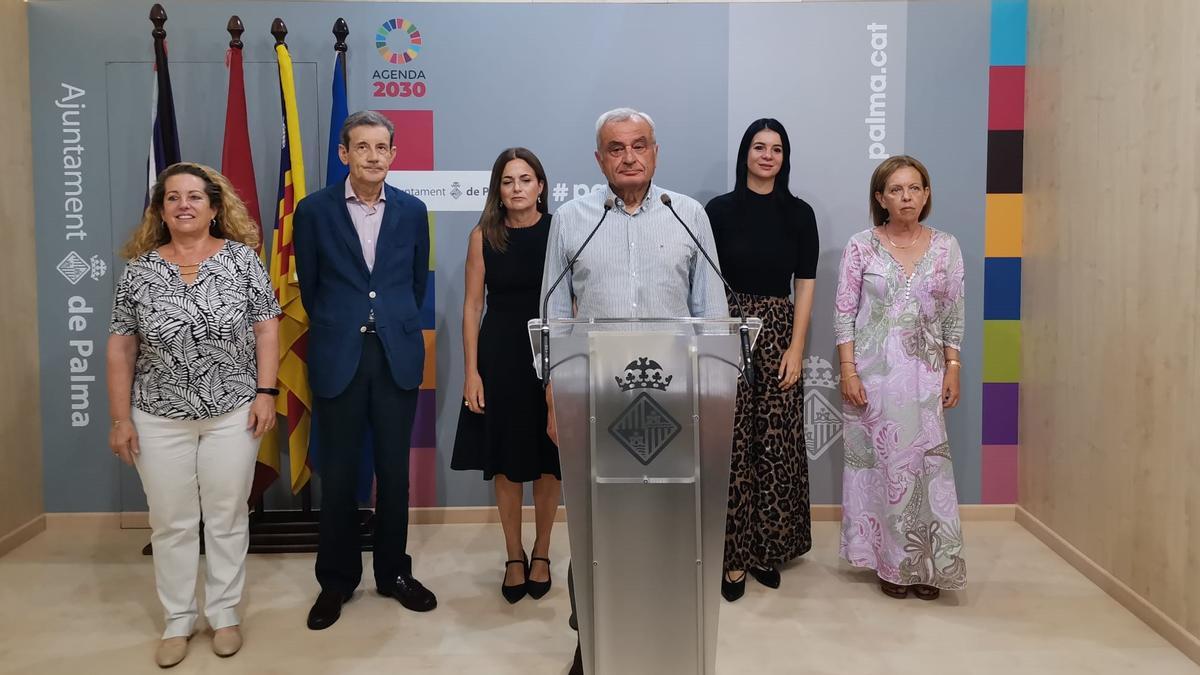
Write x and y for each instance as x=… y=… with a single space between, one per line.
x=899 y=325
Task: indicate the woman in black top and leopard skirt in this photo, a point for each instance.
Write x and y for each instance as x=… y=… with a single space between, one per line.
x=767 y=243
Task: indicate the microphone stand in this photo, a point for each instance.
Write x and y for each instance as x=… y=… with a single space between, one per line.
x=744 y=329
x=608 y=206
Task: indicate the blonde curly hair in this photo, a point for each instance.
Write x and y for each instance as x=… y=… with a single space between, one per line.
x=232 y=220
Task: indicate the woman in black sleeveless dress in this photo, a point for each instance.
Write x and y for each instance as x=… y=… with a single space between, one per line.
x=502 y=427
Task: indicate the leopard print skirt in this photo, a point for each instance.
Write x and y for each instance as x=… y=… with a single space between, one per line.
x=769 y=522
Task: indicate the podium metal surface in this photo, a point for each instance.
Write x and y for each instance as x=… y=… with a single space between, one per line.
x=644 y=409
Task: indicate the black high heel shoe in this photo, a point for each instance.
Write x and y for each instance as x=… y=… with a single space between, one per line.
x=514 y=593
x=537 y=589
x=733 y=590
x=767 y=576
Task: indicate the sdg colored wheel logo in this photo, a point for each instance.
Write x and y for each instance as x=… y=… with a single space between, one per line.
x=408 y=37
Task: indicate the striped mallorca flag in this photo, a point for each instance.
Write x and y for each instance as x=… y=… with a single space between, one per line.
x=295 y=400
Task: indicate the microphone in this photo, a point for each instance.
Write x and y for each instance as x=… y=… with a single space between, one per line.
x=744 y=329
x=608 y=206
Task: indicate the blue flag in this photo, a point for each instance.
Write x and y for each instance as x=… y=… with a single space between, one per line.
x=164 y=134
x=335 y=171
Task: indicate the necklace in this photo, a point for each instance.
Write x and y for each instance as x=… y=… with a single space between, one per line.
x=908 y=245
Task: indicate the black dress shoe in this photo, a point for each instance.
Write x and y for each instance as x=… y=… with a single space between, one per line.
x=733 y=590
x=514 y=593
x=577 y=664
x=326 y=610
x=537 y=589
x=768 y=576
x=411 y=594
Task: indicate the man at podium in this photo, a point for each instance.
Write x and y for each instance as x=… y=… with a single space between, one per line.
x=640 y=262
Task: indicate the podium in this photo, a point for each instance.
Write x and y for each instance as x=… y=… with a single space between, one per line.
x=645 y=425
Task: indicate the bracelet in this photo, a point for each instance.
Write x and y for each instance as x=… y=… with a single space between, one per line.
x=954 y=362
x=267 y=390
x=117 y=422
x=851 y=375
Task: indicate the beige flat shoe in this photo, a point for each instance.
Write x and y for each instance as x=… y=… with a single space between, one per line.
x=171 y=651
x=227 y=641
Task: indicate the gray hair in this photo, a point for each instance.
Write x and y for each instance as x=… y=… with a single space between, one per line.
x=366 y=118
x=620 y=115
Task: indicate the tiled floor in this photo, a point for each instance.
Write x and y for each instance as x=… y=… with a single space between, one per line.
x=82 y=601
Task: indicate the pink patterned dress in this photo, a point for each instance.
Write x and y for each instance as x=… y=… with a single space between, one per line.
x=900 y=507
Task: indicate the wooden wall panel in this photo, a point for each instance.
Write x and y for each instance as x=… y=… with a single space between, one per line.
x=1111 y=295
x=20 y=415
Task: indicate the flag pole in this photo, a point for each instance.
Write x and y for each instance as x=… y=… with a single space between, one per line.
x=279 y=31
x=235 y=28
x=341 y=30
x=158 y=17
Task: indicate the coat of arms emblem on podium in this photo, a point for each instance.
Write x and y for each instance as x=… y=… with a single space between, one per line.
x=645 y=428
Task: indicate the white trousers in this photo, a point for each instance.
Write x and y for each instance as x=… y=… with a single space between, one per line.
x=192 y=469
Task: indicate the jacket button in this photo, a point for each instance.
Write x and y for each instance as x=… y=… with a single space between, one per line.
x=362 y=329
x=371 y=294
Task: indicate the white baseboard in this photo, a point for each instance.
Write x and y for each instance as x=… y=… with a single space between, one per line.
x=458 y=515
x=971 y=512
x=58 y=521
x=461 y=515
x=22 y=534
x=1140 y=607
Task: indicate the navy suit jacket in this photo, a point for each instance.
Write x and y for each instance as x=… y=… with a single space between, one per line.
x=338 y=291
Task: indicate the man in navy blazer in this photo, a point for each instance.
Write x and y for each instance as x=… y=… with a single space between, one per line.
x=362 y=259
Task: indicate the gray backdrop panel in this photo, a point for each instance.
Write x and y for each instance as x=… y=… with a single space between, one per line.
x=499 y=75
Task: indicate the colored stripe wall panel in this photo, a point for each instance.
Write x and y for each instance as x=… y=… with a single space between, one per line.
x=1000 y=404
x=424 y=432
x=1004 y=161
x=1003 y=224
x=1002 y=288
x=422 y=476
x=1002 y=351
x=429 y=375
x=1006 y=98
x=427 y=309
x=414 y=152
x=432 y=240
x=999 y=468
x=414 y=139
x=1008 y=32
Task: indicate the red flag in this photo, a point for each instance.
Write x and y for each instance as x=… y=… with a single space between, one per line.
x=236 y=161
x=238 y=166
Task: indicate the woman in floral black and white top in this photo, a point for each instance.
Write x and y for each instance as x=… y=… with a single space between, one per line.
x=192 y=359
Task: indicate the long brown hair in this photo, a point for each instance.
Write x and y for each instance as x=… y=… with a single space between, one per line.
x=883 y=172
x=491 y=221
x=232 y=220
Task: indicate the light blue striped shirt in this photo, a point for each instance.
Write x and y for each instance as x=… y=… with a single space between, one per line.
x=638 y=265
